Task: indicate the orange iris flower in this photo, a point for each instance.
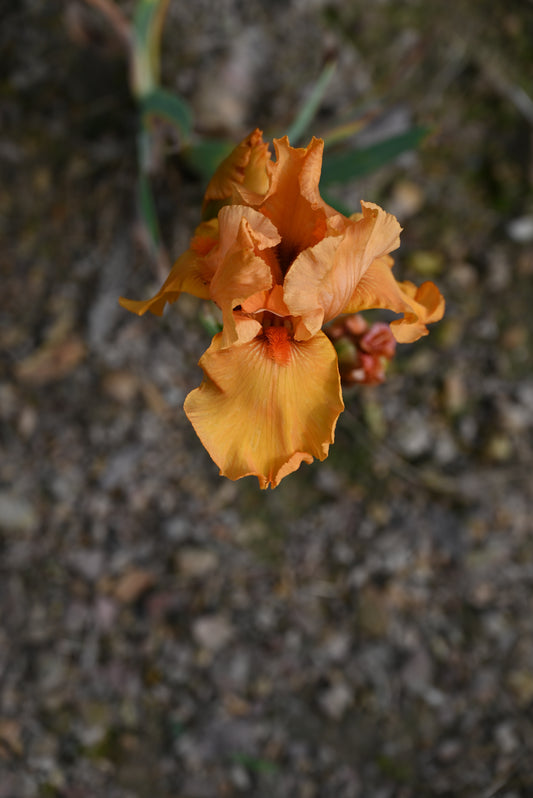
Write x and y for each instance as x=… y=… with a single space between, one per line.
x=280 y=263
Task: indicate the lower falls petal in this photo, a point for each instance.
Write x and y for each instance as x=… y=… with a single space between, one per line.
x=259 y=414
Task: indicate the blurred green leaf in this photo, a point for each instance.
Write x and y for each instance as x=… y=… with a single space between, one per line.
x=147 y=29
x=204 y=156
x=311 y=105
x=211 y=325
x=160 y=102
x=338 y=204
x=148 y=211
x=346 y=166
x=346 y=129
x=255 y=764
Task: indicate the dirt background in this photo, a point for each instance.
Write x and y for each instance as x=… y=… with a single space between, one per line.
x=366 y=629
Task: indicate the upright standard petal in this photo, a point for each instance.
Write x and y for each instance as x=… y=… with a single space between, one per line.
x=293 y=202
x=267 y=405
x=239 y=267
x=244 y=170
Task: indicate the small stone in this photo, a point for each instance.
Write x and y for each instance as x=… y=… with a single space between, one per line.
x=521 y=684
x=121 y=386
x=336 y=647
x=10 y=736
x=407 y=199
x=449 y=750
x=414 y=437
x=240 y=778
x=16 y=514
x=520 y=230
x=87 y=562
x=27 y=422
x=195 y=562
x=133 y=584
x=463 y=275
x=418 y=670
x=212 y=632
x=335 y=700
x=177 y=529
x=95 y=723
x=454 y=392
x=9 y=401
x=515 y=337
x=506 y=738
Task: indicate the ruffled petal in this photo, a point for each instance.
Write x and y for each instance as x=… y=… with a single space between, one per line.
x=323 y=278
x=426 y=306
x=261 y=233
x=239 y=268
x=191 y=273
x=267 y=405
x=244 y=169
x=271 y=301
x=293 y=200
x=379 y=289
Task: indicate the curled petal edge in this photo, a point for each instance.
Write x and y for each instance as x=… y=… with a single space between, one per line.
x=191 y=274
x=261 y=415
x=379 y=289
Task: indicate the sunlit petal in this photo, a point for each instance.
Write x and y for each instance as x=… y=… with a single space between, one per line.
x=190 y=274
x=271 y=301
x=258 y=233
x=323 y=278
x=379 y=289
x=293 y=201
x=244 y=169
x=239 y=268
x=267 y=405
x=427 y=306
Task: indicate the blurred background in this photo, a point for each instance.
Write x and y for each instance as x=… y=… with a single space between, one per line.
x=365 y=630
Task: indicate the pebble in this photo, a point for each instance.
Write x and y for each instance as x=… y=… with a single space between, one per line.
x=414 y=436
x=335 y=700
x=240 y=778
x=133 y=584
x=16 y=513
x=212 y=632
x=520 y=229
x=196 y=562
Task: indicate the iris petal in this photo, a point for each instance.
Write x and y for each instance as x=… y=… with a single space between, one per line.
x=191 y=273
x=323 y=278
x=276 y=411
x=239 y=270
x=379 y=289
x=245 y=169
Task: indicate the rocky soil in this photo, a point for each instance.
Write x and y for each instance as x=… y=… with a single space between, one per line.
x=365 y=630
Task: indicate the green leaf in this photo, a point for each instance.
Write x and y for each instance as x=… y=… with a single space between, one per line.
x=211 y=325
x=349 y=127
x=147 y=30
x=145 y=11
x=160 y=102
x=311 y=105
x=336 y=203
x=345 y=166
x=148 y=24
x=148 y=211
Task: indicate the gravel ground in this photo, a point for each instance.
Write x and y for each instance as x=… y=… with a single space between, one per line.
x=364 y=630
